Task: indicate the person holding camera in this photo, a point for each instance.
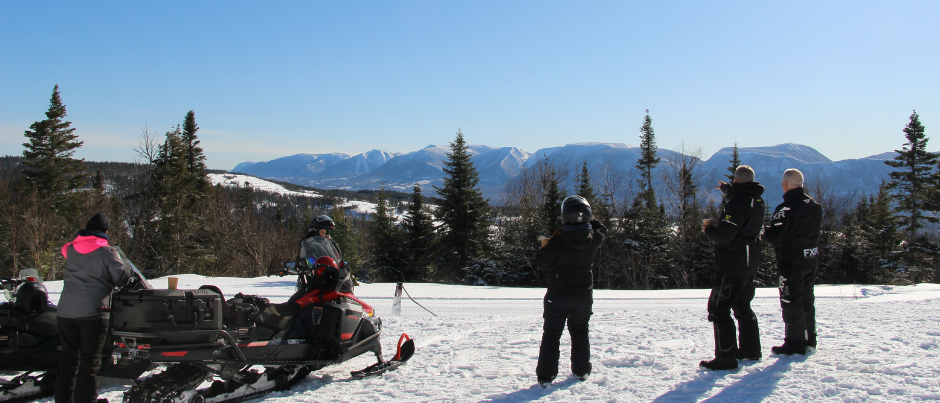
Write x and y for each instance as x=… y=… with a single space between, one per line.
x=567 y=258
x=737 y=257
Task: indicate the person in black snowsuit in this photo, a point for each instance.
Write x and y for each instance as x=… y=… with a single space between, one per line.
x=318 y=243
x=737 y=257
x=567 y=259
x=92 y=270
x=794 y=232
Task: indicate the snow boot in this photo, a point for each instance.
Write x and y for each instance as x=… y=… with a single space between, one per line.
x=811 y=340
x=790 y=348
x=544 y=381
x=584 y=376
x=720 y=363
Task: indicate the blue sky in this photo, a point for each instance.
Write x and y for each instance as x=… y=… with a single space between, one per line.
x=270 y=79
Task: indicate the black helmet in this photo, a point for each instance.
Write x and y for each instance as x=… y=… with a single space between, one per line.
x=575 y=210
x=31 y=297
x=322 y=222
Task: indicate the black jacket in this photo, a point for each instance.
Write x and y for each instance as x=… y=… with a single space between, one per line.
x=794 y=231
x=737 y=235
x=568 y=258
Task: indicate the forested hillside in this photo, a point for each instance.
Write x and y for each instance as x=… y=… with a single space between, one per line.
x=171 y=219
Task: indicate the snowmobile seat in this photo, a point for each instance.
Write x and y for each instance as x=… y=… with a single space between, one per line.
x=276 y=316
x=228 y=313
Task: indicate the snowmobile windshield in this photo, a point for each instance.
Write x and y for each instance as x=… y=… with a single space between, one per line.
x=141 y=279
x=30 y=275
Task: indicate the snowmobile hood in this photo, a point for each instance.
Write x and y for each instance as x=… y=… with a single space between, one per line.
x=84 y=244
x=579 y=239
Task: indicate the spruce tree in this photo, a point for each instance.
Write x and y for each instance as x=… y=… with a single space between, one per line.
x=419 y=229
x=647 y=161
x=387 y=254
x=464 y=214
x=552 y=196
x=911 y=183
x=882 y=232
x=735 y=163
x=51 y=170
x=914 y=188
x=195 y=159
x=585 y=188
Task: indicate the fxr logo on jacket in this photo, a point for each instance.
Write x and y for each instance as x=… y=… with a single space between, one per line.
x=810 y=253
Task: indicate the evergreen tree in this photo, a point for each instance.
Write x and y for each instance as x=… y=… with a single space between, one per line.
x=691 y=249
x=735 y=163
x=882 y=232
x=175 y=233
x=649 y=229
x=464 y=215
x=195 y=159
x=387 y=255
x=419 y=229
x=348 y=235
x=552 y=196
x=911 y=183
x=647 y=161
x=585 y=188
x=51 y=169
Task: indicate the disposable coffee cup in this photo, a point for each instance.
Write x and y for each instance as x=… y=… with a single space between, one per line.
x=707 y=222
x=172 y=282
x=543 y=239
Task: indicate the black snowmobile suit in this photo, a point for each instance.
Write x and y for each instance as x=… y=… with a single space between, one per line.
x=794 y=232
x=567 y=259
x=737 y=257
x=737 y=235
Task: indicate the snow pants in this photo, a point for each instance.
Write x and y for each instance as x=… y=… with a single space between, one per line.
x=576 y=311
x=82 y=341
x=733 y=293
x=799 y=304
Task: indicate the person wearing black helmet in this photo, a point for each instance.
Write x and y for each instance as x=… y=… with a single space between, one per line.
x=737 y=257
x=318 y=242
x=92 y=270
x=567 y=259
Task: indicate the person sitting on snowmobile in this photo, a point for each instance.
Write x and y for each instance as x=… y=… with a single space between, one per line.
x=318 y=243
x=567 y=259
x=92 y=270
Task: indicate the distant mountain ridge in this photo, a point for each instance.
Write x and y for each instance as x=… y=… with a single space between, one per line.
x=498 y=165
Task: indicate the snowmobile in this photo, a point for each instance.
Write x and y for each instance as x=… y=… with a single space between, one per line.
x=29 y=341
x=247 y=346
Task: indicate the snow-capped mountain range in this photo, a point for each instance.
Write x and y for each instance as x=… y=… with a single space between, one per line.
x=497 y=165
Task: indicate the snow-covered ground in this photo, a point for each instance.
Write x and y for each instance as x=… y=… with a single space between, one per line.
x=876 y=343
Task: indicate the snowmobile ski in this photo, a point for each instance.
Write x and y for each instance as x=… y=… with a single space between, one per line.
x=406 y=349
x=177 y=384
x=27 y=387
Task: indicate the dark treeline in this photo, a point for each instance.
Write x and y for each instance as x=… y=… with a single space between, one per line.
x=170 y=219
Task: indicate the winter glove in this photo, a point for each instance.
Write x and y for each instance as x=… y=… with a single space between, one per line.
x=725 y=187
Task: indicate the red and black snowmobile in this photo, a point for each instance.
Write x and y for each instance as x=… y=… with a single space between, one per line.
x=29 y=342
x=246 y=346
